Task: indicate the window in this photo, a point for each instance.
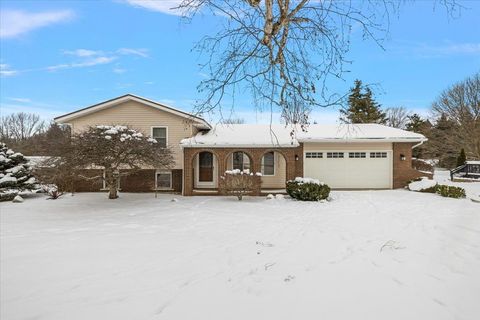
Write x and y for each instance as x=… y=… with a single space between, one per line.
x=163 y=180
x=160 y=134
x=105 y=181
x=334 y=154
x=313 y=155
x=268 y=164
x=240 y=161
x=378 y=154
x=357 y=154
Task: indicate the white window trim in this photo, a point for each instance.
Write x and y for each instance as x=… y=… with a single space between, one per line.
x=274 y=164
x=166 y=133
x=104 y=183
x=243 y=162
x=157 y=172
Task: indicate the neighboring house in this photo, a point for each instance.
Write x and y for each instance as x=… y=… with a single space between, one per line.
x=359 y=156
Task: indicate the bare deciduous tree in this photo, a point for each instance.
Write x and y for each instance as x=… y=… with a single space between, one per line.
x=118 y=150
x=284 y=51
x=397 y=117
x=20 y=126
x=233 y=121
x=461 y=103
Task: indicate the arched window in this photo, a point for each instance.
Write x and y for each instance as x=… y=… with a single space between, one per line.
x=240 y=161
x=268 y=164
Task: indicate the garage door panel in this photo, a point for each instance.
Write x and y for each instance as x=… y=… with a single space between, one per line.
x=357 y=173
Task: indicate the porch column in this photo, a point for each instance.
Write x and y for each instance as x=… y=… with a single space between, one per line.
x=188 y=171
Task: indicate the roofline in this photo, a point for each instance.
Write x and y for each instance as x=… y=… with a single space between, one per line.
x=250 y=146
x=361 y=140
x=92 y=108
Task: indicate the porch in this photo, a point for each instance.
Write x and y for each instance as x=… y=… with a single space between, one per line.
x=203 y=167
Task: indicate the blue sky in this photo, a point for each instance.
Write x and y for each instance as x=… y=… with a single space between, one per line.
x=58 y=56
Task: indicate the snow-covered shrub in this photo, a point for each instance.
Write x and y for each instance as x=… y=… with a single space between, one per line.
x=307 y=189
x=423 y=185
x=422 y=165
x=240 y=183
x=15 y=174
x=451 y=191
x=52 y=191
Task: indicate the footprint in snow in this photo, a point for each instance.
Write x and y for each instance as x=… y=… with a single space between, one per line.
x=289 y=278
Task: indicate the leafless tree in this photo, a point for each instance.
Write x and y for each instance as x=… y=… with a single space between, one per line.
x=20 y=126
x=233 y=121
x=461 y=103
x=284 y=51
x=397 y=117
x=118 y=150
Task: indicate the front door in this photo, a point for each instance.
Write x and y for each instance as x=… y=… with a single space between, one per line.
x=205 y=167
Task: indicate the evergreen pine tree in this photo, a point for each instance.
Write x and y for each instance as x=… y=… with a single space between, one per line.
x=417 y=124
x=362 y=107
x=15 y=173
x=442 y=142
x=462 y=158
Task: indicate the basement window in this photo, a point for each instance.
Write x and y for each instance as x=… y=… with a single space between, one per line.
x=163 y=180
x=334 y=154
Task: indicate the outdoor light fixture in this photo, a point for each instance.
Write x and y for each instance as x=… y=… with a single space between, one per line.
x=296 y=157
x=402 y=157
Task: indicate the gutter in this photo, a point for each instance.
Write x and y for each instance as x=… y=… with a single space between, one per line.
x=419 y=144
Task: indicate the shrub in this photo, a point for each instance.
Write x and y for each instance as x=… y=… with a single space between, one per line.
x=306 y=189
x=240 y=183
x=450 y=191
x=422 y=165
x=423 y=184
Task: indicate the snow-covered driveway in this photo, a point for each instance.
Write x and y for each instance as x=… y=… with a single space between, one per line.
x=365 y=255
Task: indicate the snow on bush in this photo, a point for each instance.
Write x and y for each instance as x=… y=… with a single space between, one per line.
x=422 y=184
x=307 y=189
x=15 y=174
x=308 y=180
x=240 y=183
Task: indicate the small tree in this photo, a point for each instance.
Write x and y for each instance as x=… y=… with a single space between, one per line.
x=240 y=183
x=462 y=158
x=15 y=173
x=397 y=117
x=362 y=107
x=119 y=150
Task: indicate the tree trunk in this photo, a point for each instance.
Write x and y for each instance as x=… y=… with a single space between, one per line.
x=113 y=192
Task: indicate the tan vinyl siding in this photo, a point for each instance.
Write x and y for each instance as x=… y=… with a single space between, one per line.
x=360 y=146
x=275 y=181
x=143 y=118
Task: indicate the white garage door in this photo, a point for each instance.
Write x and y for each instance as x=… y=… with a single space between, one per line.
x=350 y=169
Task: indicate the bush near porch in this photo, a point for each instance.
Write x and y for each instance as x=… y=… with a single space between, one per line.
x=305 y=189
x=240 y=183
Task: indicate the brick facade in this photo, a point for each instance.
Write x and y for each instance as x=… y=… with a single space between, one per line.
x=140 y=181
x=293 y=158
x=402 y=169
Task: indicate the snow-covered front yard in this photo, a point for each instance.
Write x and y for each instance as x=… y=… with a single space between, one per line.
x=364 y=255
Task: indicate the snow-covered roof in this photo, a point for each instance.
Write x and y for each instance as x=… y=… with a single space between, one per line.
x=264 y=135
x=472 y=162
x=197 y=121
x=233 y=135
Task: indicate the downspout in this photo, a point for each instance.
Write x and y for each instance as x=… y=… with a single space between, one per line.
x=419 y=144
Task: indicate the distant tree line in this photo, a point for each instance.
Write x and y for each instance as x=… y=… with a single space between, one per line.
x=453 y=130
x=29 y=134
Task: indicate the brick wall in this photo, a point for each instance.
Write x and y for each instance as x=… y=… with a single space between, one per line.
x=294 y=168
x=402 y=169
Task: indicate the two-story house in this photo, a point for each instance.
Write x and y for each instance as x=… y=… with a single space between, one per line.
x=357 y=156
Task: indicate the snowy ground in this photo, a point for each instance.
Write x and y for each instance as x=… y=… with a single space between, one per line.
x=87 y=257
